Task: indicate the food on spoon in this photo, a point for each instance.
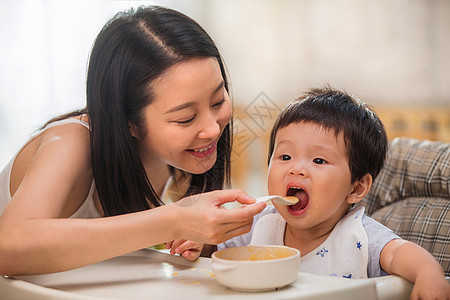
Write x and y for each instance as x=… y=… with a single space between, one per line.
x=292 y=199
x=302 y=198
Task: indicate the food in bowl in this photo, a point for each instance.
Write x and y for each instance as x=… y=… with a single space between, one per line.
x=256 y=268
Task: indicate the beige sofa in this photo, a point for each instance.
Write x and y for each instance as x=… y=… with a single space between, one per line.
x=412 y=195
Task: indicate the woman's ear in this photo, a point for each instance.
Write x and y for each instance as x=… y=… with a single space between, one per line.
x=134 y=130
x=360 y=189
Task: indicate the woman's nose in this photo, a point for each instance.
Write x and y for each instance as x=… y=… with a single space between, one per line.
x=210 y=127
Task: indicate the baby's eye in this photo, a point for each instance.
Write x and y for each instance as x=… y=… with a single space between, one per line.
x=319 y=161
x=285 y=157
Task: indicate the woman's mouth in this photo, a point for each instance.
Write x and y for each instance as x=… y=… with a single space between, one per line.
x=204 y=151
x=303 y=200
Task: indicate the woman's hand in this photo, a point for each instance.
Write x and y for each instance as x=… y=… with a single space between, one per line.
x=202 y=219
x=187 y=249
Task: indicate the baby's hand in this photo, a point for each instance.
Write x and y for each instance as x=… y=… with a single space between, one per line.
x=187 y=249
x=431 y=286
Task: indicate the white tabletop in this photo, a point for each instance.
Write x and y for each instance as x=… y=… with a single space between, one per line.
x=151 y=274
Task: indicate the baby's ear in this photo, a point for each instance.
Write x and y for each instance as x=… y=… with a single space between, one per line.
x=360 y=189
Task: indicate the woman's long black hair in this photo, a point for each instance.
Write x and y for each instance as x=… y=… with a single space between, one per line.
x=132 y=49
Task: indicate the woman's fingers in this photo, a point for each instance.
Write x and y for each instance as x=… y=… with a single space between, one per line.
x=237 y=230
x=225 y=196
x=218 y=198
x=243 y=214
x=205 y=220
x=226 y=231
x=220 y=222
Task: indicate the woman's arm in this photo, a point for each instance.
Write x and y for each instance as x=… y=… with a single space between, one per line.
x=417 y=265
x=34 y=238
x=48 y=245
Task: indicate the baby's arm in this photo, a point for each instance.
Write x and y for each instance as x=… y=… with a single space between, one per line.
x=189 y=249
x=415 y=264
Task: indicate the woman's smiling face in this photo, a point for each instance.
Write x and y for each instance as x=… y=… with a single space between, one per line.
x=311 y=163
x=186 y=118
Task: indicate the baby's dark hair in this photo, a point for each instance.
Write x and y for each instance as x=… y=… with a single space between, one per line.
x=332 y=109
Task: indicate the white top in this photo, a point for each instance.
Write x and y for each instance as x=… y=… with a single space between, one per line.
x=343 y=254
x=271 y=232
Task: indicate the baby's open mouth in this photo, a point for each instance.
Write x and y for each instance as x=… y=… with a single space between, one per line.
x=303 y=198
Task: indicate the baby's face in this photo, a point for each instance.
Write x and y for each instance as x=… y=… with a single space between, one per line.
x=311 y=163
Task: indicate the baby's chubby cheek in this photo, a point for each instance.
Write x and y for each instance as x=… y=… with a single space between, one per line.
x=274 y=184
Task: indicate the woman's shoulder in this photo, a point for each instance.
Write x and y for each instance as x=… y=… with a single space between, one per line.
x=74 y=127
x=70 y=132
x=71 y=135
x=74 y=131
x=68 y=137
x=62 y=145
x=58 y=158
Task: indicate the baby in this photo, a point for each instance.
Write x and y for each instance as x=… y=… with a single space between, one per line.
x=326 y=148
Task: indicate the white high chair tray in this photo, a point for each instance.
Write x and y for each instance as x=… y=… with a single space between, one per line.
x=152 y=274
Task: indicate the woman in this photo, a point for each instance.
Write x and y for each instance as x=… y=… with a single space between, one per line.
x=91 y=184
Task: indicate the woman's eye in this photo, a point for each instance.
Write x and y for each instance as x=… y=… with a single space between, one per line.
x=185 y=122
x=219 y=103
x=319 y=161
x=285 y=157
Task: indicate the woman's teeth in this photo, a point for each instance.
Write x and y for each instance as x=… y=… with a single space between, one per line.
x=203 y=150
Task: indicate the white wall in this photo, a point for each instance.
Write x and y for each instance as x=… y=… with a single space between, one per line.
x=44 y=52
x=384 y=50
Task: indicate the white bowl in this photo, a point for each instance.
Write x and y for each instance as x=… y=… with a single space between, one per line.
x=256 y=268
